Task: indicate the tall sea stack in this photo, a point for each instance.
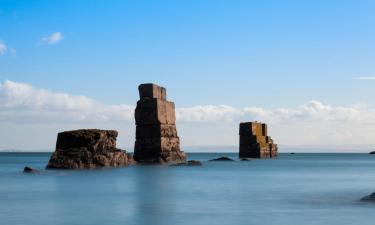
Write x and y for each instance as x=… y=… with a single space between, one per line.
x=156 y=134
x=254 y=142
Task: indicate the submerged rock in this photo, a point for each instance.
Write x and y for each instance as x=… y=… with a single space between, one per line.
x=189 y=163
x=245 y=159
x=88 y=148
x=156 y=134
x=28 y=169
x=369 y=198
x=223 y=158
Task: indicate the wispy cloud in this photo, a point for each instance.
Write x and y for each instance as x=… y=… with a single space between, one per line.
x=53 y=38
x=364 y=78
x=3 y=48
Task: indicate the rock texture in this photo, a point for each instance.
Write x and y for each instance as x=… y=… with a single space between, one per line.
x=90 y=148
x=254 y=142
x=156 y=134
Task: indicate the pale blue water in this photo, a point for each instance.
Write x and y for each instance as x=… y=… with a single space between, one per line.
x=294 y=189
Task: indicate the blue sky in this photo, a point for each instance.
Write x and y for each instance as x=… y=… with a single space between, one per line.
x=267 y=54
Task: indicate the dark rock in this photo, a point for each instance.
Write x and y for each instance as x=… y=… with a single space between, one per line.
x=194 y=163
x=254 y=142
x=90 y=148
x=189 y=163
x=292 y=153
x=372 y=153
x=223 y=158
x=156 y=134
x=245 y=159
x=28 y=169
x=369 y=198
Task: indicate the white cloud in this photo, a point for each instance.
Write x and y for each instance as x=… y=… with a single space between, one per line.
x=364 y=78
x=314 y=123
x=20 y=102
x=3 y=48
x=208 y=113
x=20 y=99
x=313 y=111
x=53 y=38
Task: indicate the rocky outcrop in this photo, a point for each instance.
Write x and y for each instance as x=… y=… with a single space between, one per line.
x=28 y=169
x=254 y=142
x=369 y=198
x=189 y=163
x=89 y=148
x=223 y=158
x=156 y=135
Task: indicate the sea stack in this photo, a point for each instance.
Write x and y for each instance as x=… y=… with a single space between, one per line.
x=254 y=141
x=88 y=148
x=156 y=134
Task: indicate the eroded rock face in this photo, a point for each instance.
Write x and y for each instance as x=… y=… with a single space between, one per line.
x=90 y=148
x=156 y=134
x=254 y=142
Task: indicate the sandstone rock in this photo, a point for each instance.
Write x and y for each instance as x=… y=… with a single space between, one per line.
x=223 y=158
x=254 y=142
x=156 y=134
x=89 y=148
x=28 y=169
x=369 y=198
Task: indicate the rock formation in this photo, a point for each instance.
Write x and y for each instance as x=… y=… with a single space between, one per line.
x=89 y=148
x=28 y=169
x=156 y=134
x=369 y=198
x=254 y=142
x=223 y=158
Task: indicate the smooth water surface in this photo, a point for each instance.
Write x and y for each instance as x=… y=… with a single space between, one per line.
x=294 y=189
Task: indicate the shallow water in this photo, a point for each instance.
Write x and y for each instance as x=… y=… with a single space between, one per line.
x=294 y=189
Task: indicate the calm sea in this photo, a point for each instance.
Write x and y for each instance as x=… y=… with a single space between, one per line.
x=299 y=189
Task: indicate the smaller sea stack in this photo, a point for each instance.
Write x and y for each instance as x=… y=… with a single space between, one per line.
x=88 y=148
x=255 y=142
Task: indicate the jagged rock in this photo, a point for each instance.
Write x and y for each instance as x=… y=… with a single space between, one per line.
x=369 y=198
x=156 y=134
x=223 y=158
x=88 y=148
x=28 y=169
x=254 y=142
